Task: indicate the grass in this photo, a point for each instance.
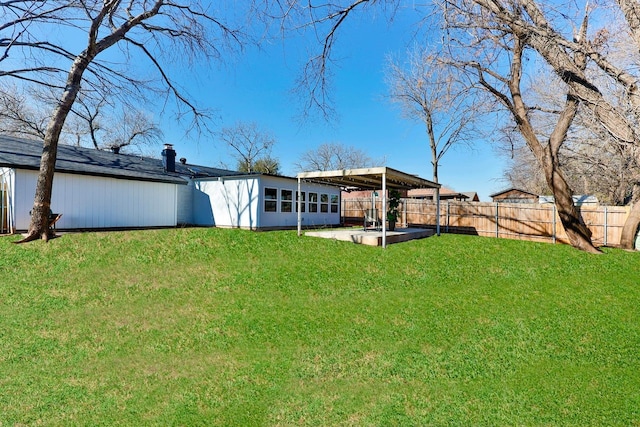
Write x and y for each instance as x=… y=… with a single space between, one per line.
x=229 y=327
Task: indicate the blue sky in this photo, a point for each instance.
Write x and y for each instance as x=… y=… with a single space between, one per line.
x=256 y=86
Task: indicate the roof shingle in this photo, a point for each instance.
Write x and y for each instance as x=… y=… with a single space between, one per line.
x=25 y=154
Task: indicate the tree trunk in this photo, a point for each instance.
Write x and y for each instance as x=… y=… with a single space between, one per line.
x=39 y=226
x=631 y=225
x=578 y=233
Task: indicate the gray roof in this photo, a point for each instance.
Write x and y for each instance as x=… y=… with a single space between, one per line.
x=512 y=189
x=25 y=154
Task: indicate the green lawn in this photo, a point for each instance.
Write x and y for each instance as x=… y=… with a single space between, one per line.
x=230 y=327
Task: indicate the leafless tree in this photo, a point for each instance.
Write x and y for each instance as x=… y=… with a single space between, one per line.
x=495 y=55
x=334 y=156
x=20 y=117
x=248 y=144
x=547 y=31
x=323 y=22
x=592 y=161
x=509 y=34
x=507 y=88
x=91 y=123
x=523 y=170
x=430 y=91
x=107 y=128
x=144 y=31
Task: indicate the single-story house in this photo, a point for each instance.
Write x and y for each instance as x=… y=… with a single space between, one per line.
x=514 y=195
x=95 y=189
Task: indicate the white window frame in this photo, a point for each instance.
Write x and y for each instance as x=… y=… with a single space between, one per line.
x=284 y=201
x=270 y=200
x=304 y=201
x=334 y=200
x=313 y=205
x=324 y=203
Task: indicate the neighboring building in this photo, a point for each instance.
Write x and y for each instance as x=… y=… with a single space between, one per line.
x=579 y=200
x=472 y=196
x=95 y=189
x=514 y=195
x=445 y=194
x=366 y=194
x=418 y=193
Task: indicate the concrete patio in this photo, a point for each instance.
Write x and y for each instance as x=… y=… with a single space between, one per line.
x=373 y=237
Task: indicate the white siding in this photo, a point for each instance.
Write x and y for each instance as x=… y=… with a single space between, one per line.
x=7 y=215
x=239 y=202
x=100 y=202
x=290 y=219
x=185 y=195
x=227 y=202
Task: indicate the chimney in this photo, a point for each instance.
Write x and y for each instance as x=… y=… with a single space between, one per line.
x=183 y=160
x=169 y=158
x=115 y=149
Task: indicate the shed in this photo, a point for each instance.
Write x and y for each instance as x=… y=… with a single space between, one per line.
x=514 y=195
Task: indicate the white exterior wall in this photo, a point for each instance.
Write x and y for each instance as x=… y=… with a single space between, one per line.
x=185 y=203
x=99 y=202
x=240 y=202
x=227 y=202
x=7 y=216
x=290 y=219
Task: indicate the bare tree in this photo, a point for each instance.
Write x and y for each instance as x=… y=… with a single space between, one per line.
x=430 y=91
x=546 y=31
x=114 y=130
x=523 y=170
x=521 y=28
x=334 y=156
x=592 y=161
x=151 y=31
x=323 y=21
x=493 y=47
x=20 y=117
x=92 y=122
x=507 y=89
x=248 y=144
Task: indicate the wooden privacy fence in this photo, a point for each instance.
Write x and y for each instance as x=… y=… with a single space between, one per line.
x=528 y=221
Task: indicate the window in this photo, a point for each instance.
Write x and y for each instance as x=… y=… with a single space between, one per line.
x=286 y=200
x=313 y=202
x=324 y=203
x=303 y=205
x=270 y=200
x=335 y=201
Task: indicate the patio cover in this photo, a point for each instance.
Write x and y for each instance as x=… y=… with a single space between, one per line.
x=378 y=178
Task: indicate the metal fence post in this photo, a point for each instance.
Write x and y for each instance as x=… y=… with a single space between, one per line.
x=404 y=213
x=554 y=223
x=606 y=230
x=497 y=218
x=448 y=215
